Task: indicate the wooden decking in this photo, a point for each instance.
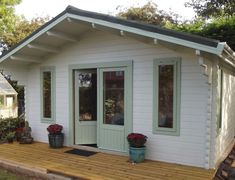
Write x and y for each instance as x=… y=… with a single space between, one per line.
x=99 y=166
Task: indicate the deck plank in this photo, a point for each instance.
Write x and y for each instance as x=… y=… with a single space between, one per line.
x=99 y=166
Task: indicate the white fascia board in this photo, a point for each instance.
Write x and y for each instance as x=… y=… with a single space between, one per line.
x=44 y=30
x=221 y=47
x=209 y=49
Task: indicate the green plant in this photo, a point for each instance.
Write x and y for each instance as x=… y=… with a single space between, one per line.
x=9 y=125
x=10 y=135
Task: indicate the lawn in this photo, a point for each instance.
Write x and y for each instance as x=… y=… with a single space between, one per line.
x=5 y=175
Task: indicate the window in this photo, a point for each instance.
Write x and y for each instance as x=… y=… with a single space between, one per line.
x=1 y=100
x=47 y=94
x=219 y=99
x=10 y=101
x=166 y=96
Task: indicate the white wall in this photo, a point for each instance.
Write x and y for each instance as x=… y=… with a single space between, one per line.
x=8 y=112
x=188 y=148
x=225 y=136
x=16 y=70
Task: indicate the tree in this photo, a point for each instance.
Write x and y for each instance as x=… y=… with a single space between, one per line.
x=212 y=8
x=7 y=16
x=14 y=28
x=22 y=29
x=149 y=13
x=221 y=28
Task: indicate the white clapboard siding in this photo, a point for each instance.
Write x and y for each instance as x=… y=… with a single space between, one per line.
x=188 y=148
x=226 y=135
x=16 y=71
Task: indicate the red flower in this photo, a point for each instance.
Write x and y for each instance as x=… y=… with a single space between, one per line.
x=55 y=129
x=19 y=130
x=136 y=139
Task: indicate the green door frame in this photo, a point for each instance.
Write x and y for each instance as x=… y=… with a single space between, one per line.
x=129 y=73
x=103 y=131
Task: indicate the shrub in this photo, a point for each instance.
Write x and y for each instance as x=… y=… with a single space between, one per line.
x=9 y=125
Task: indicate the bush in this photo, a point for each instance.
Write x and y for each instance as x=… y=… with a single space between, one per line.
x=10 y=125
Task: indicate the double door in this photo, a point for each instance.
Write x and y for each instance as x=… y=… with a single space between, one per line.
x=101 y=108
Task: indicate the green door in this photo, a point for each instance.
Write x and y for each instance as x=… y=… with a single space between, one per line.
x=112 y=109
x=85 y=101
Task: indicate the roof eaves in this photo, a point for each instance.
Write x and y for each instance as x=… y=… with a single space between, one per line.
x=227 y=54
x=143 y=26
x=188 y=40
x=33 y=35
x=142 y=32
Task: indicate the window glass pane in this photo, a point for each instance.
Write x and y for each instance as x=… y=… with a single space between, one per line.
x=10 y=100
x=1 y=100
x=113 y=94
x=47 y=95
x=219 y=98
x=87 y=96
x=165 y=96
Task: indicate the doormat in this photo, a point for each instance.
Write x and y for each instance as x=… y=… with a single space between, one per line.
x=81 y=152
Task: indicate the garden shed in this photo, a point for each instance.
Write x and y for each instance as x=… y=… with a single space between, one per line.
x=103 y=77
x=8 y=99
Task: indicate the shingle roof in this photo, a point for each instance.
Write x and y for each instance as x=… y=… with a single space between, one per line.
x=5 y=87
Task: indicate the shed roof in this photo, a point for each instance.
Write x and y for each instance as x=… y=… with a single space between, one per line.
x=72 y=22
x=5 y=87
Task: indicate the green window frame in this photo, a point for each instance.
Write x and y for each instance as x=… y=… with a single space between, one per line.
x=220 y=81
x=49 y=73
x=175 y=64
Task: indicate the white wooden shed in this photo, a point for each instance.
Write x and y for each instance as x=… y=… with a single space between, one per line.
x=8 y=99
x=102 y=77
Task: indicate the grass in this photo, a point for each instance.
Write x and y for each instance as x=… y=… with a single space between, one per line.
x=5 y=175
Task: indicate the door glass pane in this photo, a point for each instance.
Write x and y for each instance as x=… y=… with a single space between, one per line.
x=113 y=94
x=47 y=94
x=87 y=82
x=165 y=96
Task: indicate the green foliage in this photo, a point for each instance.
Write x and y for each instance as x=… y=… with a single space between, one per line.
x=212 y=8
x=221 y=28
x=9 y=125
x=5 y=175
x=194 y=27
x=14 y=28
x=22 y=29
x=7 y=16
x=149 y=13
x=10 y=135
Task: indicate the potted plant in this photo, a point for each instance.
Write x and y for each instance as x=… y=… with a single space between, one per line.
x=55 y=136
x=136 y=147
x=10 y=137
